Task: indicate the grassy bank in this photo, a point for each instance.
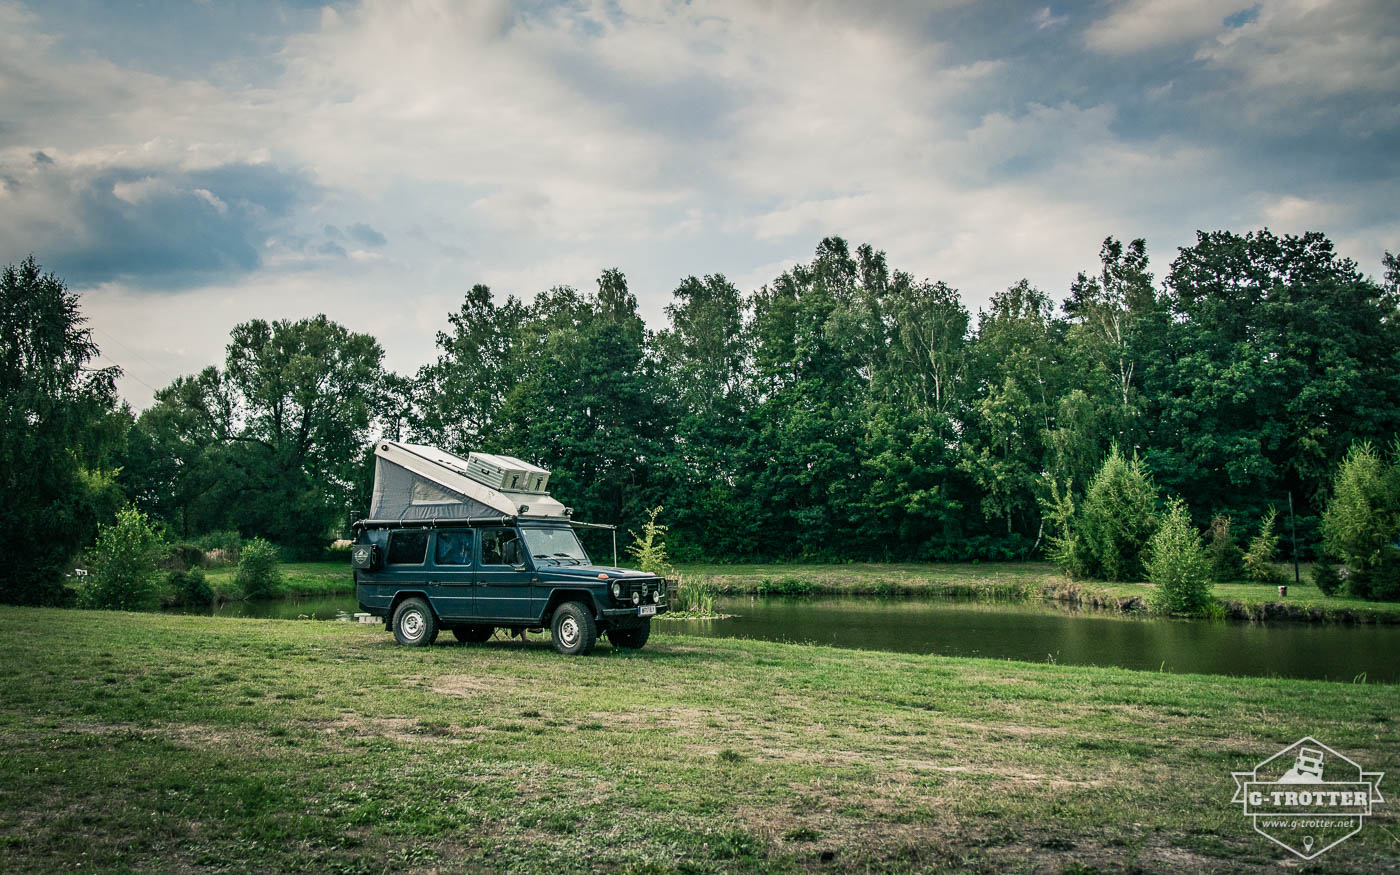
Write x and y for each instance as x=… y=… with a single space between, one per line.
x=1026 y=581
x=989 y=579
x=1258 y=601
x=994 y=580
x=175 y=743
x=298 y=579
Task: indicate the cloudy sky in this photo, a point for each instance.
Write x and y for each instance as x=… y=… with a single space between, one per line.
x=190 y=165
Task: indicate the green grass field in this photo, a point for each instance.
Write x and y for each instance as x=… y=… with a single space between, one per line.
x=1007 y=579
x=298 y=579
x=196 y=744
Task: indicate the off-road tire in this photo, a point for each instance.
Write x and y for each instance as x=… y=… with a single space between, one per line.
x=415 y=625
x=474 y=634
x=632 y=637
x=573 y=629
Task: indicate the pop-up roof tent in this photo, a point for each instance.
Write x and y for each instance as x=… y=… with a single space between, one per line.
x=413 y=482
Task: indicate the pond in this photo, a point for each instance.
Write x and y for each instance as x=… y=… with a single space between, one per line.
x=1035 y=632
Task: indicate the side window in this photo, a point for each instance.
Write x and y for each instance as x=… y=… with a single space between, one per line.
x=407 y=548
x=453 y=548
x=500 y=547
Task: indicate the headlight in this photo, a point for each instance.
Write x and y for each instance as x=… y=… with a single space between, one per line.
x=617 y=590
x=636 y=598
x=656 y=595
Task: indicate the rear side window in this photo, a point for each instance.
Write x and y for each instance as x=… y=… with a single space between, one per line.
x=453 y=548
x=407 y=548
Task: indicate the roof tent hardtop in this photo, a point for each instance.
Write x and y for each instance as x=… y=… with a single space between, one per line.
x=415 y=483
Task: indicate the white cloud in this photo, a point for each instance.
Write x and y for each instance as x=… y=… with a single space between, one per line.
x=1142 y=25
x=527 y=149
x=1323 y=49
x=1044 y=18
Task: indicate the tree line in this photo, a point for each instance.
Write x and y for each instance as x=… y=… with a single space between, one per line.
x=844 y=411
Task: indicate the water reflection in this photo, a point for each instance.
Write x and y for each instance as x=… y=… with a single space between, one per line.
x=1053 y=632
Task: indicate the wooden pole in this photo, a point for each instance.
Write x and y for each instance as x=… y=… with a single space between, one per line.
x=1293 y=529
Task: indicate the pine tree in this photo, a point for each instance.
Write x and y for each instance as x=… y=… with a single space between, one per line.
x=1259 y=562
x=1226 y=557
x=1177 y=563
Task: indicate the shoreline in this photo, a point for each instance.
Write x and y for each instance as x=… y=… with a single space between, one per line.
x=1028 y=582
x=1006 y=581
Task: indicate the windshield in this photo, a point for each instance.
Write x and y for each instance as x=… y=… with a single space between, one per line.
x=558 y=545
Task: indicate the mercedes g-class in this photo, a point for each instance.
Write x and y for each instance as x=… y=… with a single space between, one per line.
x=474 y=545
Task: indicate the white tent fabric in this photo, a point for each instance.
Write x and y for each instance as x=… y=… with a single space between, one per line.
x=415 y=482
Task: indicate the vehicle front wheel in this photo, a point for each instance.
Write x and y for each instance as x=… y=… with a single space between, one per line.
x=473 y=634
x=574 y=630
x=632 y=638
x=414 y=623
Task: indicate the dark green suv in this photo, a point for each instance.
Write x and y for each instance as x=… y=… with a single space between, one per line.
x=475 y=576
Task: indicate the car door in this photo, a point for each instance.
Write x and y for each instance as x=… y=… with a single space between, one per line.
x=454 y=573
x=503 y=578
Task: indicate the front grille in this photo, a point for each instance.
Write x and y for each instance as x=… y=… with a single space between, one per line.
x=644 y=587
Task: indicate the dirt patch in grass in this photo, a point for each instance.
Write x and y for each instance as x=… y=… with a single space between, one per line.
x=465 y=685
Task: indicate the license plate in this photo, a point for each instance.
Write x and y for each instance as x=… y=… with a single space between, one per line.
x=646 y=611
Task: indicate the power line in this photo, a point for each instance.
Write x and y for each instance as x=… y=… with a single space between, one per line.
x=125 y=347
x=127 y=373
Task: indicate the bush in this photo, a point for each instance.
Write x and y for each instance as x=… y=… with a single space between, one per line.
x=649 y=548
x=1118 y=518
x=189 y=588
x=122 y=565
x=1380 y=582
x=1177 y=563
x=785 y=586
x=1326 y=577
x=259 y=573
x=183 y=557
x=222 y=548
x=1361 y=524
x=1065 y=547
x=1226 y=557
x=1263 y=553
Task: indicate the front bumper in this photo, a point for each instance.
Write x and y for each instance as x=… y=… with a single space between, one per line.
x=633 y=612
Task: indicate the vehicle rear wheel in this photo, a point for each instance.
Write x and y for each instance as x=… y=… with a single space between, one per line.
x=414 y=623
x=473 y=634
x=574 y=630
x=631 y=638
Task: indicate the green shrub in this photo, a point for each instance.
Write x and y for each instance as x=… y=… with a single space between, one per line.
x=259 y=573
x=1380 y=582
x=649 y=548
x=1117 y=519
x=1226 y=557
x=1263 y=553
x=785 y=586
x=189 y=588
x=1326 y=577
x=183 y=557
x=1361 y=523
x=1177 y=563
x=1065 y=547
x=222 y=547
x=121 y=566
